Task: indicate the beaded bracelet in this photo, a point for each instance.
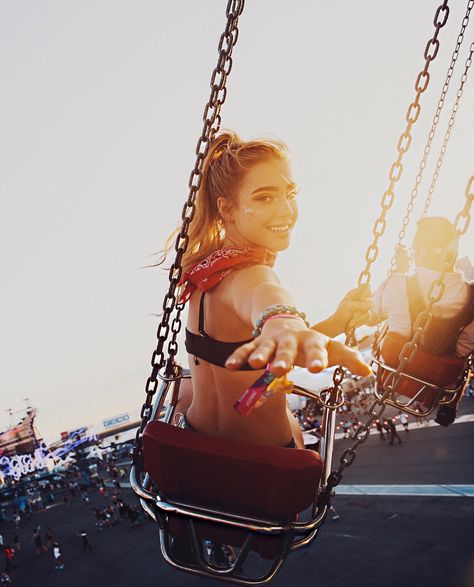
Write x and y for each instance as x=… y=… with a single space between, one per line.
x=273 y=311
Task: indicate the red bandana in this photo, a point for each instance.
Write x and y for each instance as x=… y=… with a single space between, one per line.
x=211 y=270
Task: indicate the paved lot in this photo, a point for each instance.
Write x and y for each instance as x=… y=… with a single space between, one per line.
x=379 y=541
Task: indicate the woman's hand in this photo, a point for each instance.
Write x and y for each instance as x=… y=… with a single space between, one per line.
x=354 y=310
x=284 y=343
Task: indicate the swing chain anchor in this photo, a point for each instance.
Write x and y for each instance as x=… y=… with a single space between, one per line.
x=212 y=122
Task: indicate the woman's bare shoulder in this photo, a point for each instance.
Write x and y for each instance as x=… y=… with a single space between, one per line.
x=249 y=277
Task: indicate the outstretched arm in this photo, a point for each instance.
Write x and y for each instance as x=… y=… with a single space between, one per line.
x=283 y=342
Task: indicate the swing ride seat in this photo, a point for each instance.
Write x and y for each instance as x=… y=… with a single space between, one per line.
x=256 y=492
x=429 y=379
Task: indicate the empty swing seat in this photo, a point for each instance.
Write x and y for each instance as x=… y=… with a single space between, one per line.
x=442 y=372
x=237 y=478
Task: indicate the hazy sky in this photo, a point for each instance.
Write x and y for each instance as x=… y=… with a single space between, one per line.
x=101 y=107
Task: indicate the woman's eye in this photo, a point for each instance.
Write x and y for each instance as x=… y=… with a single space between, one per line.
x=266 y=199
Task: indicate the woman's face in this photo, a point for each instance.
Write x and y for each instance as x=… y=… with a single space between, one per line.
x=265 y=209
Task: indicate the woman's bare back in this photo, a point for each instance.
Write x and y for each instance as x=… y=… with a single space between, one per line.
x=216 y=389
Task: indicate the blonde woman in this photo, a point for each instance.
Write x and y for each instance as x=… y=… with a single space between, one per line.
x=241 y=318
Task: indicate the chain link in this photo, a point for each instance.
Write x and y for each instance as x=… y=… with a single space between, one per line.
x=212 y=121
x=396 y=170
x=431 y=135
x=404 y=141
x=447 y=135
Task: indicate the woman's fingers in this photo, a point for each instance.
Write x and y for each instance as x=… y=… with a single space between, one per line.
x=315 y=352
x=262 y=354
x=239 y=356
x=340 y=354
x=285 y=355
x=307 y=348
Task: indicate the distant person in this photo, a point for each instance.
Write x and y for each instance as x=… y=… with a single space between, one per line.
x=470 y=387
x=335 y=515
x=9 y=554
x=85 y=541
x=16 y=543
x=38 y=541
x=390 y=427
x=403 y=420
x=58 y=557
x=49 y=537
x=379 y=427
x=346 y=427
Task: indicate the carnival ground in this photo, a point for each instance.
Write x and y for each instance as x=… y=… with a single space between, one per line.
x=383 y=540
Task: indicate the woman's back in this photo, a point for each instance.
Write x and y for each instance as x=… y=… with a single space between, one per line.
x=216 y=389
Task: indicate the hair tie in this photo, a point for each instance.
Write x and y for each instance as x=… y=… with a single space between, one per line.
x=217 y=154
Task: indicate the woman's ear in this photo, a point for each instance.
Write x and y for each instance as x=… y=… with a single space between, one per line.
x=224 y=205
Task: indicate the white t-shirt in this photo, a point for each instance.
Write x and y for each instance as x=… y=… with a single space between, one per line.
x=56 y=552
x=391 y=300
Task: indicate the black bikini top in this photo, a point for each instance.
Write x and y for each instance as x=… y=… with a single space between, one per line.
x=211 y=350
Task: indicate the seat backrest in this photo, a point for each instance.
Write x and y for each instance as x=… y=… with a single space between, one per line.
x=441 y=334
x=237 y=477
x=444 y=371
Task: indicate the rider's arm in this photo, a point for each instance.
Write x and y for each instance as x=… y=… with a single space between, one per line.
x=284 y=342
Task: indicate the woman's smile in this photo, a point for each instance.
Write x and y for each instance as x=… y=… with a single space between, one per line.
x=266 y=209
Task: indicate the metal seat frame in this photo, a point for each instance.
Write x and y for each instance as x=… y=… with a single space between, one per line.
x=445 y=396
x=295 y=535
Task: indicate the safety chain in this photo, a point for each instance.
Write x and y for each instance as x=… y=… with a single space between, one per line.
x=212 y=122
x=454 y=110
x=427 y=149
x=408 y=351
x=404 y=141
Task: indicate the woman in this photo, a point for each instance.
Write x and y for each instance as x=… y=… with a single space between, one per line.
x=245 y=211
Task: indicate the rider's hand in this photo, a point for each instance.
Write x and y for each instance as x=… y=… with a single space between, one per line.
x=287 y=342
x=354 y=310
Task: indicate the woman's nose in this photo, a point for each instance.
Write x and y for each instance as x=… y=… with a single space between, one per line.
x=285 y=207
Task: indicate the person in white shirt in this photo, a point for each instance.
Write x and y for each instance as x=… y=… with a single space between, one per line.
x=400 y=299
x=403 y=420
x=434 y=241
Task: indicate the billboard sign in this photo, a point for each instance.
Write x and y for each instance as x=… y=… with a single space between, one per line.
x=116 y=421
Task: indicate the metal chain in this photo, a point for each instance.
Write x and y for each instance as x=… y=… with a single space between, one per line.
x=408 y=351
x=431 y=134
x=212 y=122
x=447 y=136
x=396 y=169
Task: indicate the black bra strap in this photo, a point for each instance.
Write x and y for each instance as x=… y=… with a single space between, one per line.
x=201 y=315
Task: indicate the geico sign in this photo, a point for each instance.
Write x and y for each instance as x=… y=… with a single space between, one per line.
x=116 y=420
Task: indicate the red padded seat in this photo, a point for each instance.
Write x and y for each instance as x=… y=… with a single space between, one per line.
x=443 y=372
x=262 y=481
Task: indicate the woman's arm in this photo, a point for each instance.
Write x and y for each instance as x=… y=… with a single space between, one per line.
x=354 y=310
x=283 y=342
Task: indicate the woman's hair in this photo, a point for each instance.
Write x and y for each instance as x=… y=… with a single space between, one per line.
x=228 y=160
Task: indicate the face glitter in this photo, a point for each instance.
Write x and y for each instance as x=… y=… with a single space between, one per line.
x=249 y=211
